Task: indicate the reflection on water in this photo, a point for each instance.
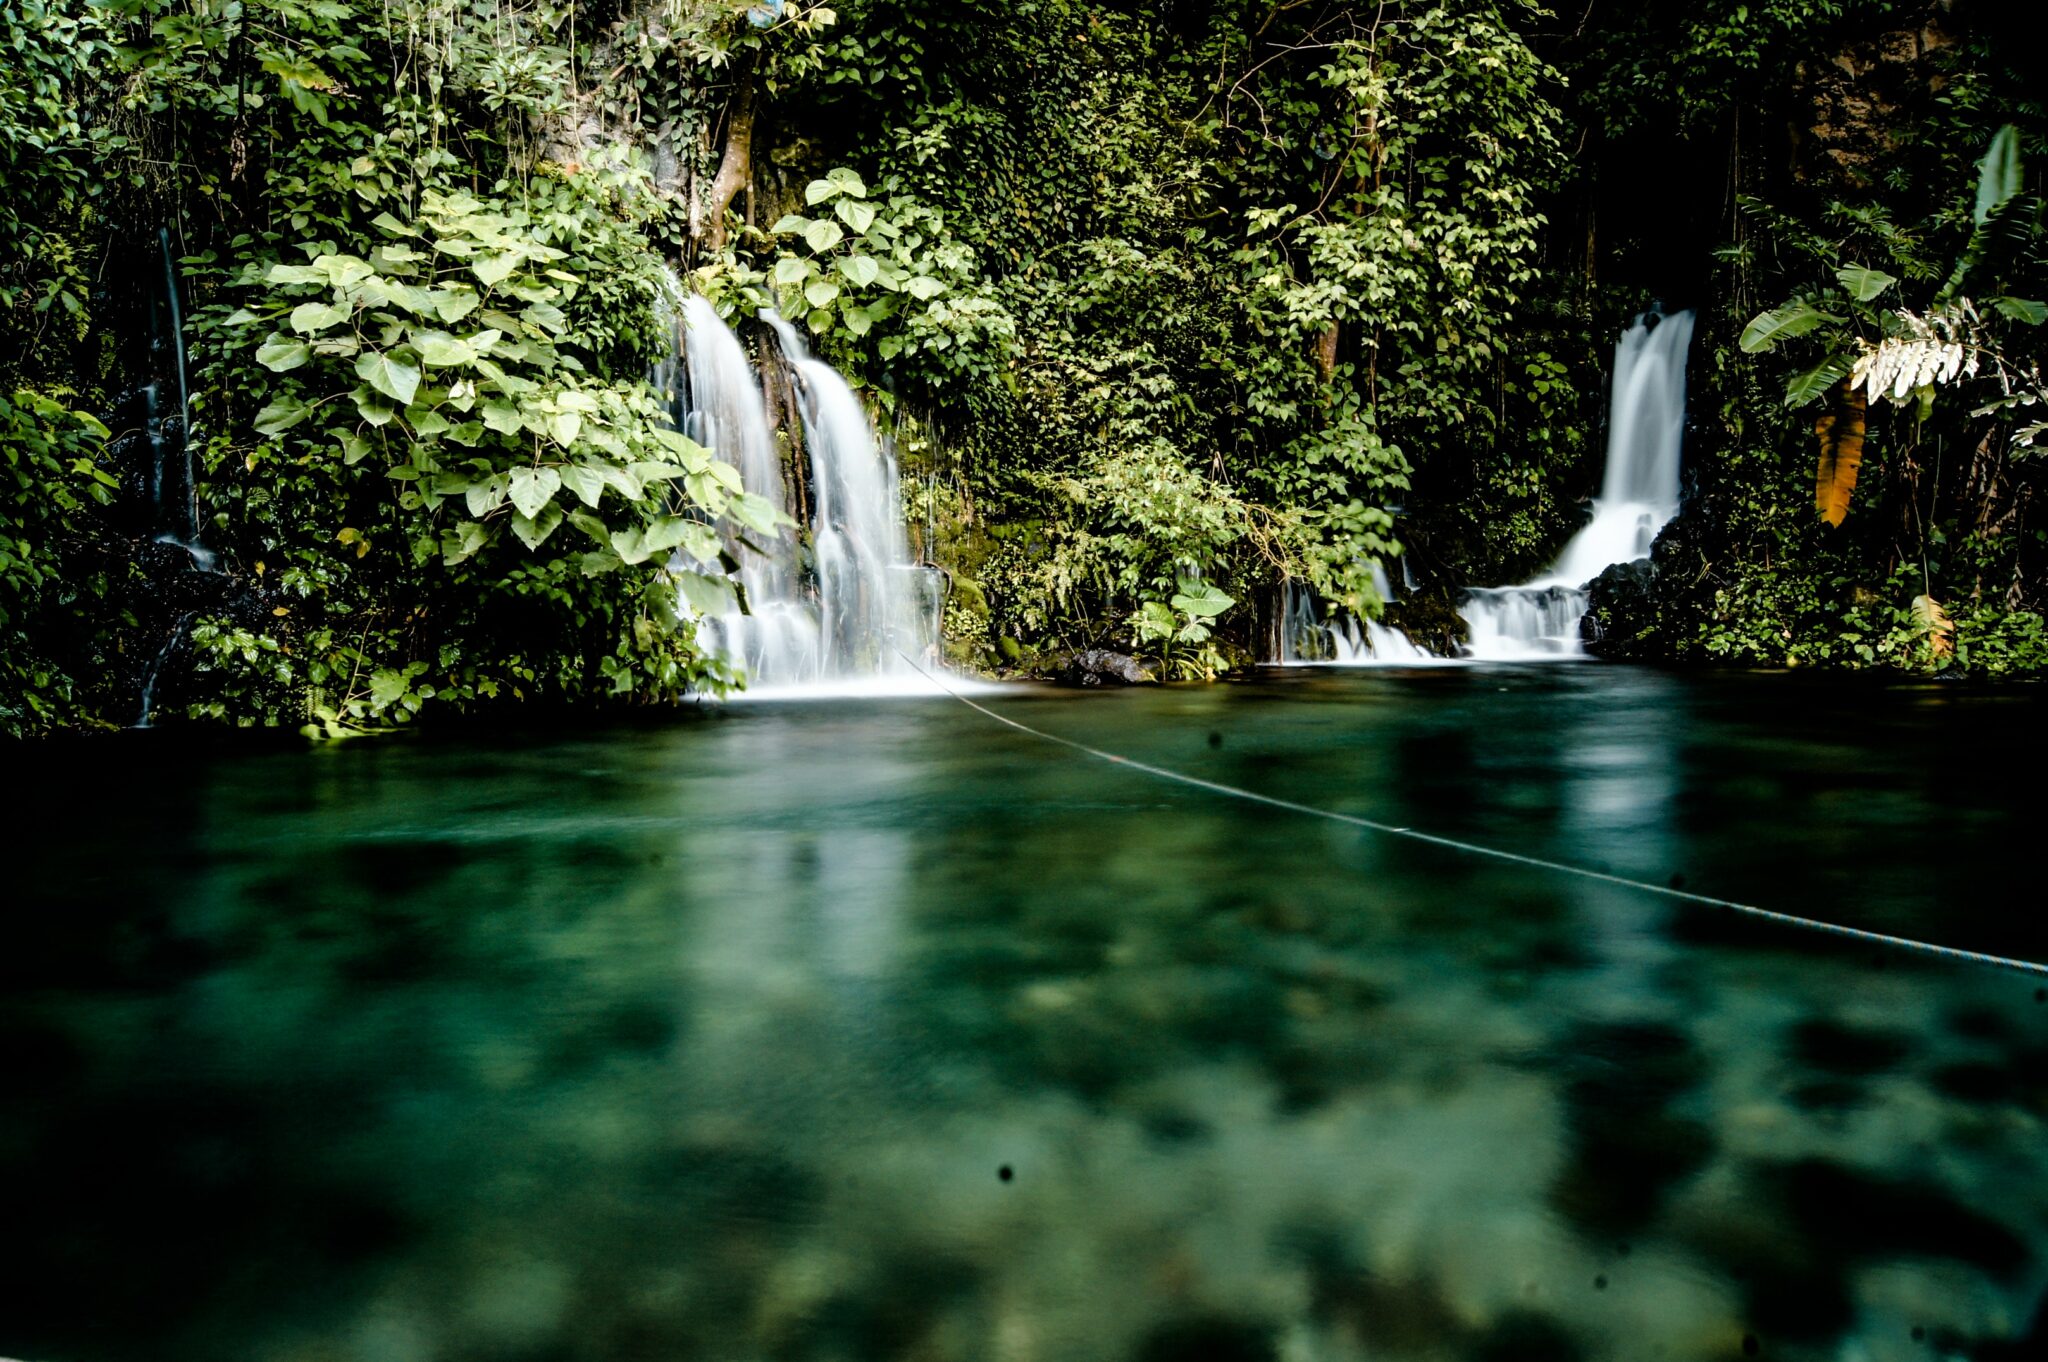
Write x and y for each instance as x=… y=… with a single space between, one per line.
x=711 y=1040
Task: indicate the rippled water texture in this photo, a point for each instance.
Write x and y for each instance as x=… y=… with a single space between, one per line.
x=874 y=1030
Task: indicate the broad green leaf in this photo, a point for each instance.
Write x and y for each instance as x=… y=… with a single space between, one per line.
x=860 y=270
x=279 y=354
x=1817 y=381
x=757 y=513
x=855 y=214
x=924 y=287
x=687 y=451
x=626 y=544
x=533 y=488
x=492 y=270
x=394 y=378
x=373 y=408
x=344 y=271
x=817 y=191
x=441 y=350
x=789 y=222
x=294 y=274
x=2019 y=309
x=1999 y=174
x=564 y=426
x=790 y=270
x=502 y=416
x=820 y=322
x=281 y=416
x=1784 y=323
x=1864 y=283
x=857 y=319
x=534 y=530
x=586 y=482
x=1201 y=600
x=452 y=306
x=846 y=182
x=823 y=235
x=461 y=540
x=354 y=448
x=487 y=496
x=467 y=434
x=704 y=594
x=310 y=317
x=820 y=292
x=386 y=687
x=425 y=421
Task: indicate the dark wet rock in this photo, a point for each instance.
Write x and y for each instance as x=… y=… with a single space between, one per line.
x=1980 y=1023
x=1101 y=667
x=1974 y=1081
x=1175 y=1128
x=1850 y=1051
x=1844 y=1214
x=1620 y=612
x=1526 y=1336
x=1628 y=1149
x=1828 y=1094
x=1207 y=1340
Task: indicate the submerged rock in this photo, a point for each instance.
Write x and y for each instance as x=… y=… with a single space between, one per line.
x=1101 y=667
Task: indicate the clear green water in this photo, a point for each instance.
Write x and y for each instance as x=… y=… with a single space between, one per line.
x=712 y=1039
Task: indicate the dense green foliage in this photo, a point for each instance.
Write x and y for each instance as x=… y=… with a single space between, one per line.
x=1165 y=304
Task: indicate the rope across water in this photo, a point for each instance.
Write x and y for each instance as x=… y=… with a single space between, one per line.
x=1903 y=943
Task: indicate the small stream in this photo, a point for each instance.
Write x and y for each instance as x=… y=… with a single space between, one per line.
x=863 y=1030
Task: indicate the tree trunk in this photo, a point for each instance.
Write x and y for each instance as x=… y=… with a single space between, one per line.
x=736 y=168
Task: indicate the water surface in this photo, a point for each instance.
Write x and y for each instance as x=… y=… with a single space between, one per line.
x=873 y=1029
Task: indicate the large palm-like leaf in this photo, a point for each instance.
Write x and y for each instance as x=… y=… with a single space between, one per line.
x=1841 y=454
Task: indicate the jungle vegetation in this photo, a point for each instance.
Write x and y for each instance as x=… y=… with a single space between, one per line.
x=1164 y=303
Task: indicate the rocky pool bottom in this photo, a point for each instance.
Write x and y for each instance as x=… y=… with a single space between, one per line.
x=875 y=1030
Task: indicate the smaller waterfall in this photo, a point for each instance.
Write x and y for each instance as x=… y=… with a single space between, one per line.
x=851 y=609
x=868 y=588
x=174 y=490
x=1638 y=497
x=1344 y=641
x=718 y=403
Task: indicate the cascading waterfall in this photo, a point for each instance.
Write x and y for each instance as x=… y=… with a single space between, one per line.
x=173 y=489
x=1638 y=497
x=718 y=403
x=854 y=610
x=1344 y=642
x=868 y=588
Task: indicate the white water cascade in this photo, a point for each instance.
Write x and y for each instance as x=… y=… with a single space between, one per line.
x=845 y=618
x=1638 y=497
x=1343 y=642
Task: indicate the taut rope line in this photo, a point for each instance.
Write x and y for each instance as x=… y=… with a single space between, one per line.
x=1903 y=943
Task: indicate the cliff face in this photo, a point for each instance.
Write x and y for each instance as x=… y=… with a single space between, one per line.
x=1851 y=108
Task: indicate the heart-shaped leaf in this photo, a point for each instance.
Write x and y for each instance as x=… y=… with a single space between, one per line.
x=396 y=380
x=281 y=416
x=824 y=234
x=533 y=488
x=442 y=350
x=279 y=354
x=310 y=317
x=586 y=482
x=820 y=292
x=855 y=214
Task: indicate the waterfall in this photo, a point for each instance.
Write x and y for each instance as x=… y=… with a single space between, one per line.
x=174 y=491
x=1638 y=497
x=1344 y=641
x=849 y=611
x=718 y=403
